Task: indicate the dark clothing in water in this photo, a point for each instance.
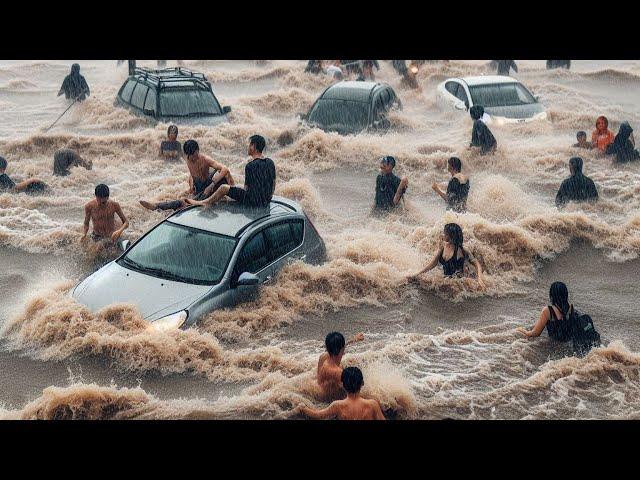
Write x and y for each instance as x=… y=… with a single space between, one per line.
x=457 y=194
x=505 y=65
x=259 y=183
x=74 y=85
x=578 y=188
x=386 y=188
x=6 y=183
x=455 y=265
x=63 y=160
x=169 y=146
x=482 y=137
x=622 y=147
x=558 y=329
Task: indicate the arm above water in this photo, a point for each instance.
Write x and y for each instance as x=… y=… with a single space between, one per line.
x=87 y=220
x=404 y=183
x=125 y=223
x=320 y=414
x=431 y=265
x=539 y=326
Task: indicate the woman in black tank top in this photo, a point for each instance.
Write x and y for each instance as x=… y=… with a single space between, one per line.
x=453 y=256
x=554 y=316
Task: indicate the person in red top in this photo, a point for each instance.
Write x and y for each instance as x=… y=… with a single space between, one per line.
x=602 y=136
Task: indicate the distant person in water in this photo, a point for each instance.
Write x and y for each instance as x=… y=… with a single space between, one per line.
x=623 y=146
x=329 y=364
x=32 y=185
x=74 y=85
x=202 y=182
x=101 y=212
x=581 y=136
x=314 y=67
x=578 y=187
x=554 y=316
x=389 y=187
x=354 y=407
x=171 y=148
x=452 y=256
x=457 y=189
x=259 y=180
x=69 y=157
x=551 y=64
x=481 y=136
x=602 y=136
x=366 y=74
x=334 y=70
x=504 y=66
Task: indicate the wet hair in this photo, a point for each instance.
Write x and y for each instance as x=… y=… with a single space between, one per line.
x=334 y=343
x=389 y=160
x=576 y=163
x=476 y=112
x=454 y=232
x=190 y=147
x=581 y=133
x=352 y=380
x=172 y=128
x=455 y=163
x=559 y=296
x=606 y=121
x=258 y=141
x=102 y=191
x=3 y=163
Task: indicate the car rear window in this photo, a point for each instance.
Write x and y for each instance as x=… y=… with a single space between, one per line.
x=337 y=113
x=139 y=94
x=128 y=88
x=185 y=102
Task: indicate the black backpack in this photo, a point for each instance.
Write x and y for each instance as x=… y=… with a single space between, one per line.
x=583 y=332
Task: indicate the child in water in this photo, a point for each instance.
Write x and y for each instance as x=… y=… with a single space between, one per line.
x=171 y=149
x=602 y=136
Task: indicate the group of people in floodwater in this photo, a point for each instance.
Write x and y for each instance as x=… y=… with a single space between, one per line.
x=211 y=181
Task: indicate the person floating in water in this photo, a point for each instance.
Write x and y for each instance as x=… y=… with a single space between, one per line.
x=354 y=407
x=623 y=145
x=69 y=157
x=202 y=183
x=503 y=66
x=259 y=180
x=329 y=365
x=389 y=187
x=452 y=256
x=32 y=185
x=578 y=187
x=602 y=136
x=581 y=136
x=74 y=85
x=171 y=148
x=101 y=211
x=457 y=189
x=481 y=136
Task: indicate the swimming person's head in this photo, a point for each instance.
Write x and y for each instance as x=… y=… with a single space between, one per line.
x=581 y=136
x=476 y=112
x=102 y=194
x=352 y=380
x=602 y=123
x=172 y=133
x=387 y=164
x=257 y=144
x=559 y=296
x=75 y=69
x=190 y=148
x=453 y=234
x=575 y=165
x=3 y=164
x=454 y=165
x=334 y=342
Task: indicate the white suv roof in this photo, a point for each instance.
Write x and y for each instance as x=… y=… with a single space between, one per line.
x=488 y=79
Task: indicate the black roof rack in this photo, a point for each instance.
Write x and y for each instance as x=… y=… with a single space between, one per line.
x=166 y=76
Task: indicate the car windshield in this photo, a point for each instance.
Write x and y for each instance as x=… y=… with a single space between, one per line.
x=182 y=103
x=182 y=254
x=500 y=95
x=340 y=113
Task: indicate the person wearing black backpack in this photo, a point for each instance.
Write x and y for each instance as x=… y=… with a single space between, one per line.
x=564 y=323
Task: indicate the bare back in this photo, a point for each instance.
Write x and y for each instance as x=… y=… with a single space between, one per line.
x=358 y=409
x=330 y=378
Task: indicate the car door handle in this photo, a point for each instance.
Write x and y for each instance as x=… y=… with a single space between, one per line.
x=267 y=280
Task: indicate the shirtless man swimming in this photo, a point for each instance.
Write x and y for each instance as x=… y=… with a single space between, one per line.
x=354 y=407
x=202 y=184
x=329 y=368
x=102 y=211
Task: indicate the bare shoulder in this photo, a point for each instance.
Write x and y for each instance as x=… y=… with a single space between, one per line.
x=89 y=205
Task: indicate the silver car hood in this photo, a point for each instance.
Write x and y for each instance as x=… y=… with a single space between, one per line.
x=515 y=111
x=154 y=297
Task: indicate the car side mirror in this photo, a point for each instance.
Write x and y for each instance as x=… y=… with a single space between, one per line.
x=124 y=245
x=226 y=109
x=537 y=97
x=460 y=106
x=247 y=279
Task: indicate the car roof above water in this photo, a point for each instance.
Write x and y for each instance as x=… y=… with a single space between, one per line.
x=351 y=90
x=487 y=80
x=230 y=218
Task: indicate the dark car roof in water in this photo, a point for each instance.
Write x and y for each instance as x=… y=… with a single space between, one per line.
x=351 y=90
x=231 y=218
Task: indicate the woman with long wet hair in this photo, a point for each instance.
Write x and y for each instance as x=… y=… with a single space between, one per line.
x=554 y=316
x=452 y=255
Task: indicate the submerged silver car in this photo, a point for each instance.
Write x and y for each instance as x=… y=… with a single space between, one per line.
x=202 y=259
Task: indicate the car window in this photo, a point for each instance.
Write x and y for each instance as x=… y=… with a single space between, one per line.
x=501 y=95
x=283 y=238
x=379 y=109
x=182 y=102
x=461 y=94
x=451 y=87
x=126 y=91
x=139 y=94
x=253 y=256
x=150 y=102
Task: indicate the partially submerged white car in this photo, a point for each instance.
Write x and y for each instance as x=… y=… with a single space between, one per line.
x=505 y=99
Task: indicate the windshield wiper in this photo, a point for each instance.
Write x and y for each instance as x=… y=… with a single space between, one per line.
x=158 y=271
x=131 y=263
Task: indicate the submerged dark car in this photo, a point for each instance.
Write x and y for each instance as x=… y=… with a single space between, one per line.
x=352 y=107
x=171 y=94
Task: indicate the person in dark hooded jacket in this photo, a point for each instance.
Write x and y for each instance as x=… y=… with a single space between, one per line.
x=74 y=85
x=481 y=136
x=503 y=66
x=577 y=187
x=623 y=145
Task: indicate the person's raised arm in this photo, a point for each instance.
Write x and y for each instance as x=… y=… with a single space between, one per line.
x=322 y=414
x=539 y=326
x=436 y=188
x=87 y=219
x=404 y=183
